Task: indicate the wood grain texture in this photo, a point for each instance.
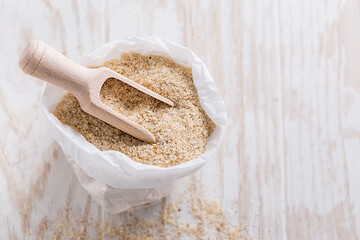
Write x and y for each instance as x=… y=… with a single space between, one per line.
x=289 y=75
x=320 y=82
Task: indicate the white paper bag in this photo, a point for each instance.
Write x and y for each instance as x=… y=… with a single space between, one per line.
x=114 y=180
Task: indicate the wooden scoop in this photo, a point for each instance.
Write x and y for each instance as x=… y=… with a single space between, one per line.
x=43 y=62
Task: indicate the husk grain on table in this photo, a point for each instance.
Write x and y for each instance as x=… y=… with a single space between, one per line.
x=180 y=217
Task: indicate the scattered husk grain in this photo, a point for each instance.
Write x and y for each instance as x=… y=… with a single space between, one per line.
x=185 y=217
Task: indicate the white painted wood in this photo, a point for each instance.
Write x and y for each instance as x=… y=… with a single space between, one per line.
x=289 y=75
x=320 y=76
x=37 y=183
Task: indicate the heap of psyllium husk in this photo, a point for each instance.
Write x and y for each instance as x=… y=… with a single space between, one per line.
x=181 y=131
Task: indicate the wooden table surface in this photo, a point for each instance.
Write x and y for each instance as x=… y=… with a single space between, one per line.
x=289 y=72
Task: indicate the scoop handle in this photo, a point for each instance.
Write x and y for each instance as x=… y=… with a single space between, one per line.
x=44 y=62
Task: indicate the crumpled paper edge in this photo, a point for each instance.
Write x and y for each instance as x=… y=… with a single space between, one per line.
x=116 y=169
